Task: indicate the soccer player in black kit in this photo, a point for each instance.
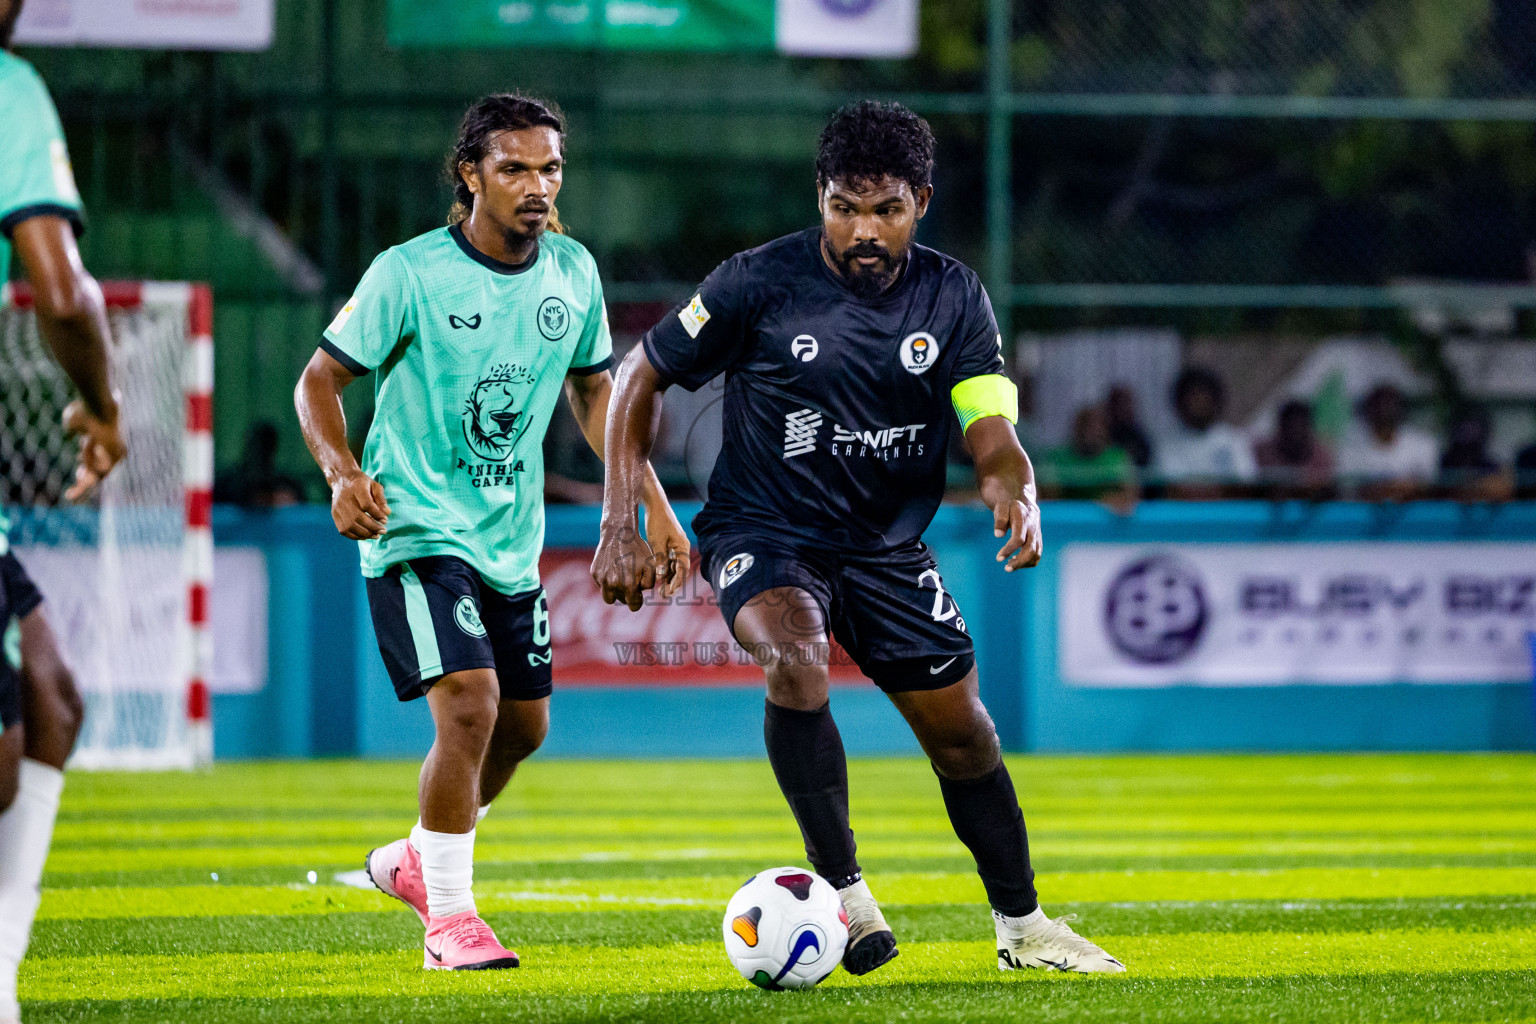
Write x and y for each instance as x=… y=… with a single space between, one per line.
x=844 y=348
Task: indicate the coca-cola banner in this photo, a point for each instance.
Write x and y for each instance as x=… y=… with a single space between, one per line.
x=1265 y=614
x=681 y=641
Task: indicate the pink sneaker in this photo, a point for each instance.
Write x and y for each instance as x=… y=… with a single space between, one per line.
x=395 y=870
x=463 y=942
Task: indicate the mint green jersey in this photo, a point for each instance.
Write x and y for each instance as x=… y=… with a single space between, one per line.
x=469 y=356
x=35 y=175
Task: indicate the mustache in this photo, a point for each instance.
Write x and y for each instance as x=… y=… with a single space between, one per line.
x=870 y=249
x=533 y=206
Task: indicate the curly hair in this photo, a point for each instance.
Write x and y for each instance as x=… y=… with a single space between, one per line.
x=498 y=112
x=869 y=140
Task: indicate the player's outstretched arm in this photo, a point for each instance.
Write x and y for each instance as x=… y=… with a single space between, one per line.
x=624 y=567
x=357 y=501
x=590 y=395
x=72 y=318
x=1007 y=483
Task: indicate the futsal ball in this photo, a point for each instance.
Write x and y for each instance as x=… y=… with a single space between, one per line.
x=786 y=928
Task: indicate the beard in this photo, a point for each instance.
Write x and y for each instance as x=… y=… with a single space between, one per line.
x=869 y=282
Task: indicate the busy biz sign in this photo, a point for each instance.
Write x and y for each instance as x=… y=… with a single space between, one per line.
x=1267 y=614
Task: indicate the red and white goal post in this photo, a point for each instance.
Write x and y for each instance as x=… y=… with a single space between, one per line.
x=125 y=575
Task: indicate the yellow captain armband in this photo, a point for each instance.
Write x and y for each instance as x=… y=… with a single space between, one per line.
x=988 y=395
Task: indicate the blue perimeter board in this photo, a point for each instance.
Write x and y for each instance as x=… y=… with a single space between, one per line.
x=327 y=694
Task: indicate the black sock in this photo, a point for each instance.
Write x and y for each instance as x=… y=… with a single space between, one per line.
x=986 y=816
x=806 y=753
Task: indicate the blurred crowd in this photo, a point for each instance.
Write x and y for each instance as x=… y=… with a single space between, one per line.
x=1381 y=455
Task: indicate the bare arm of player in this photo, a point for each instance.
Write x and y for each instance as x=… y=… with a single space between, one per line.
x=589 y=395
x=357 y=501
x=73 y=318
x=1007 y=483
x=622 y=567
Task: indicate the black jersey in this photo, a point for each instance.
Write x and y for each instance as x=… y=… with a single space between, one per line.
x=837 y=409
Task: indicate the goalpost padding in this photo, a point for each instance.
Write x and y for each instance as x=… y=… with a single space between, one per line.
x=126 y=574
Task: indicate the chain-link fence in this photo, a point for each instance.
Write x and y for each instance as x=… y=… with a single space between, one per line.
x=1217 y=169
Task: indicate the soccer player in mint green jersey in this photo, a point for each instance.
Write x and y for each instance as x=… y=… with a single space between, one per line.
x=470 y=333
x=40 y=710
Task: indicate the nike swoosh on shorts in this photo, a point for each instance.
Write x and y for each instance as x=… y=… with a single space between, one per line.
x=940 y=668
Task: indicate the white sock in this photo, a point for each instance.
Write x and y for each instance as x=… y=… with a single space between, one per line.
x=26 y=829
x=1019 y=925
x=447 y=868
x=479 y=817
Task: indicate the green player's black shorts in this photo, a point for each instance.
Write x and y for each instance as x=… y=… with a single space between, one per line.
x=434 y=616
x=19 y=597
x=890 y=611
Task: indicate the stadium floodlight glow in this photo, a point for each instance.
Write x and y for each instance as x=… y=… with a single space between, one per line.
x=126 y=574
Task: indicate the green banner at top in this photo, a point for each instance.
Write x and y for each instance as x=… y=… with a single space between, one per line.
x=586 y=24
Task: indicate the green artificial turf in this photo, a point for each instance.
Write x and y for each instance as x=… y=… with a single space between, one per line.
x=1274 y=888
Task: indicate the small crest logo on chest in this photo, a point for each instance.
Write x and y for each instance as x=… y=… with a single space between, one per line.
x=918 y=352
x=554 y=318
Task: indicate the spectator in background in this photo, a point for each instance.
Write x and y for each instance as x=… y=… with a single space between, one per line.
x=1384 y=459
x=1295 y=463
x=1090 y=466
x=255 y=481
x=1125 y=431
x=1467 y=469
x=1203 y=458
x=1525 y=472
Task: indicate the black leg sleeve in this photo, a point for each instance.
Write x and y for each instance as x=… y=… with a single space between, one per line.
x=986 y=816
x=806 y=752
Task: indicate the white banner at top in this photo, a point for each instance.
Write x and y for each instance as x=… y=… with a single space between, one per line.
x=148 y=24
x=846 y=28
x=1135 y=615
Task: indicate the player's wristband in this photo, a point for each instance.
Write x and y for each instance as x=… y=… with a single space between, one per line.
x=991 y=394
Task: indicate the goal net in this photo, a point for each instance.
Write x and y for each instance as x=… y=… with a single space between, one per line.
x=125 y=573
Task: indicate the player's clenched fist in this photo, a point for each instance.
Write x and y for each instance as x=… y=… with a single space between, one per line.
x=101 y=447
x=358 y=506
x=624 y=567
x=670 y=551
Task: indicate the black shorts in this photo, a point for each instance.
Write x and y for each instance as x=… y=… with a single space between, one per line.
x=19 y=598
x=437 y=615
x=890 y=612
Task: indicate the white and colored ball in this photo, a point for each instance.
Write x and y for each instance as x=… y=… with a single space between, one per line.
x=786 y=928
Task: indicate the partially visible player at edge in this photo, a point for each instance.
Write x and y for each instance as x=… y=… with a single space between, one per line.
x=40 y=710
x=470 y=331
x=844 y=347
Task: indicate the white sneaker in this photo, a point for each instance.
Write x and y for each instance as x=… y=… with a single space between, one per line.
x=1044 y=942
x=870 y=941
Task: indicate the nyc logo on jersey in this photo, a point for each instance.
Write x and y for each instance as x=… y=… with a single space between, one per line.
x=494 y=418
x=554 y=318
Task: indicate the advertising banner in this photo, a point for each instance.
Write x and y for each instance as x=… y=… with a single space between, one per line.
x=678 y=642
x=846 y=28
x=1269 y=614
x=610 y=24
x=156 y=24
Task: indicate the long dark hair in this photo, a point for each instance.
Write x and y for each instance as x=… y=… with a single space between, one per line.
x=498 y=112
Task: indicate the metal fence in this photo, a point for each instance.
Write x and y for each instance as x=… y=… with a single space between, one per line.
x=1223 y=165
